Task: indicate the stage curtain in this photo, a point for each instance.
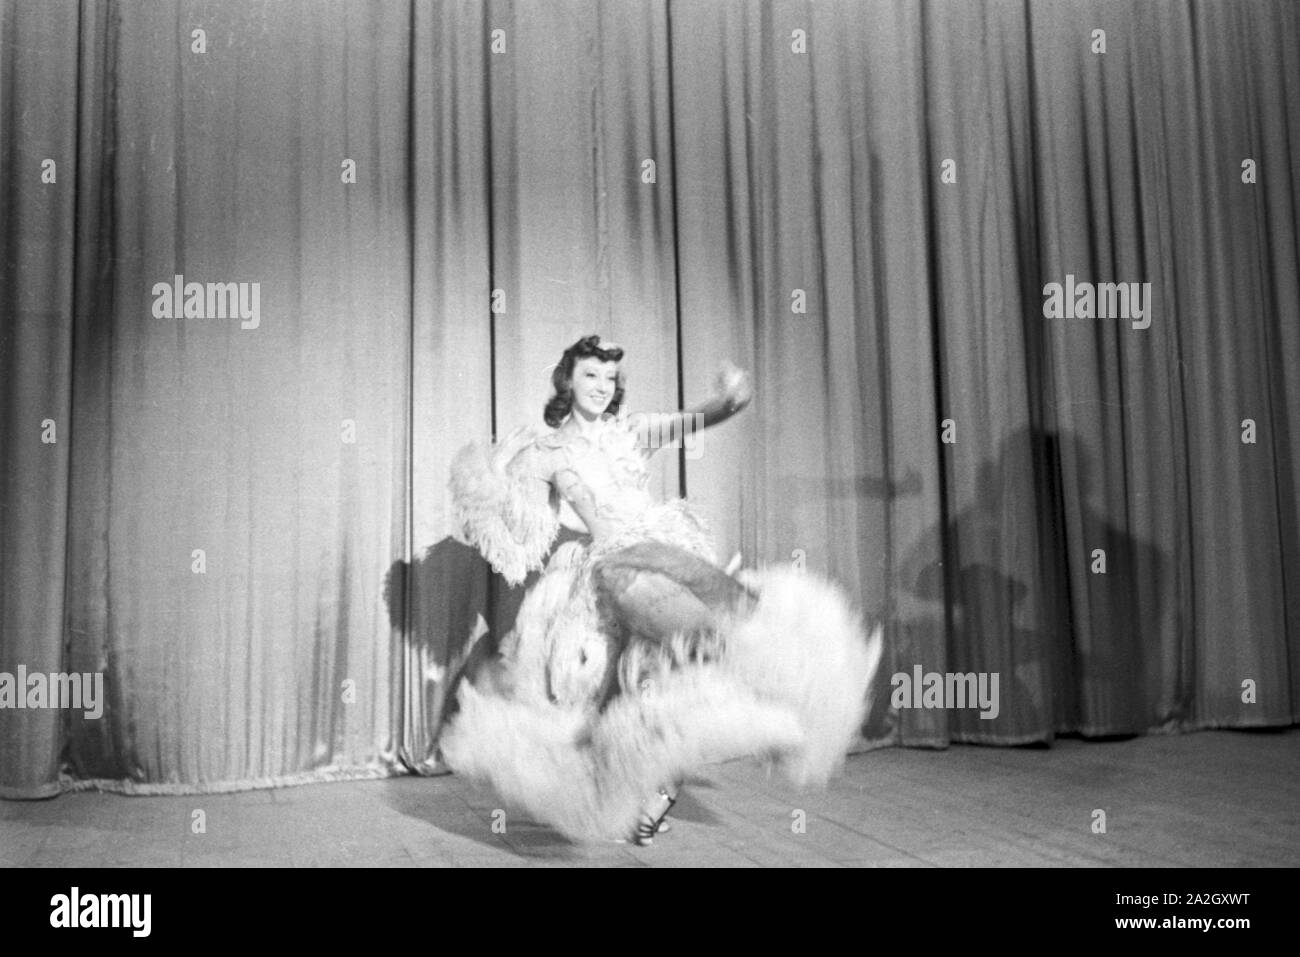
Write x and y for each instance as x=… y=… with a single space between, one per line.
x=241 y=521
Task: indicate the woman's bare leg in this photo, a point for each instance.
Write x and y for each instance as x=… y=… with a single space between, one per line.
x=654 y=592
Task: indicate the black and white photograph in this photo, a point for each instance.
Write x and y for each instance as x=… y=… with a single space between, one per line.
x=476 y=434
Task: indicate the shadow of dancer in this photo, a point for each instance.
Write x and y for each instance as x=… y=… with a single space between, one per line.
x=451 y=612
x=1033 y=582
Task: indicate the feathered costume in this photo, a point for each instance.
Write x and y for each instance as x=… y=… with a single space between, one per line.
x=635 y=658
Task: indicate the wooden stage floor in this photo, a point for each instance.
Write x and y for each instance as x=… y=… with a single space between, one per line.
x=1211 y=799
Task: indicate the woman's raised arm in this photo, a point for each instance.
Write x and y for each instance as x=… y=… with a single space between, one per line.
x=732 y=392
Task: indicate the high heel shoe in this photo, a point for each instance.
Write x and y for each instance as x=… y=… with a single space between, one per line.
x=651 y=821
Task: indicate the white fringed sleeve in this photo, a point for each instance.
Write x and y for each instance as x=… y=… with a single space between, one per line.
x=502 y=510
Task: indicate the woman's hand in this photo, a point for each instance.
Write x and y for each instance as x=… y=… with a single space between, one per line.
x=731 y=393
x=734 y=386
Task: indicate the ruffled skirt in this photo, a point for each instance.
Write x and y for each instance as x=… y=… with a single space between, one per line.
x=636 y=660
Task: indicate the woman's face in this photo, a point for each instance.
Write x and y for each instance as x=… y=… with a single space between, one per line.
x=594 y=383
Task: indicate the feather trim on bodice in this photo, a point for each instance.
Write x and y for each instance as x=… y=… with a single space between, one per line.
x=509 y=516
x=603 y=475
x=503 y=507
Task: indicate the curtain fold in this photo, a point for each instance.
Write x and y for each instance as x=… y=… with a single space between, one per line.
x=229 y=499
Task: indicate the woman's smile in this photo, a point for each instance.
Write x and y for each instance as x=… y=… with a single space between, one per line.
x=594 y=384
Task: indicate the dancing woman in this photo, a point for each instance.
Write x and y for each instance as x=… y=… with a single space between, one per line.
x=635 y=658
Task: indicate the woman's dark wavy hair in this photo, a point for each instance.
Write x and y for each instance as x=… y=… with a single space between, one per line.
x=561 y=404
